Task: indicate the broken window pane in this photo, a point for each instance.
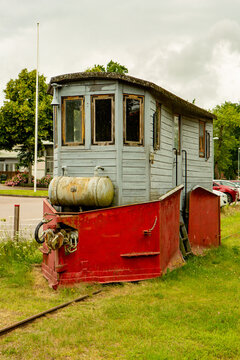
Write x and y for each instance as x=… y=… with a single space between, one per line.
x=177 y=133
x=133 y=109
x=102 y=119
x=157 y=127
x=103 y=116
x=73 y=121
x=201 y=139
x=132 y=119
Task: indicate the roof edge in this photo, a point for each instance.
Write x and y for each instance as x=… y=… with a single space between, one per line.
x=157 y=90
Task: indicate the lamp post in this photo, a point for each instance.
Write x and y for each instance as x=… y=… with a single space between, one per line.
x=214 y=138
x=36 y=116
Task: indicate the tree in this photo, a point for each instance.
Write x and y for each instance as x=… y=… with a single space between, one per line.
x=17 y=116
x=111 y=67
x=227 y=128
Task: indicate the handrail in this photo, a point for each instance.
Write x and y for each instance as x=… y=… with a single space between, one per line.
x=176 y=151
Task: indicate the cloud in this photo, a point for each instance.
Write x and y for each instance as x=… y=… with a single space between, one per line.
x=189 y=47
x=197 y=67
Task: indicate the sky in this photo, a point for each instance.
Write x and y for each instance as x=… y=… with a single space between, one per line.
x=188 y=47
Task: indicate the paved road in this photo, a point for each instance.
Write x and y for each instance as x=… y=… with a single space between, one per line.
x=31 y=212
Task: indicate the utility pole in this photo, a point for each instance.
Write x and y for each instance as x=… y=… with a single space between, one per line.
x=36 y=117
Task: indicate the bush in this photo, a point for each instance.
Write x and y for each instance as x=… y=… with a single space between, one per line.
x=16 y=260
x=21 y=177
x=44 y=181
x=21 y=251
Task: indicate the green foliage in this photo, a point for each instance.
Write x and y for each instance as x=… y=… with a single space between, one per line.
x=21 y=177
x=227 y=129
x=116 y=67
x=16 y=259
x=15 y=191
x=17 y=116
x=112 y=66
x=22 y=251
x=44 y=181
x=190 y=313
x=96 y=68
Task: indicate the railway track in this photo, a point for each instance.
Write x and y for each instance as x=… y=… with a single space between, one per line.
x=30 y=319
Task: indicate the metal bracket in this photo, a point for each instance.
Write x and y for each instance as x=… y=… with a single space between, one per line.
x=149 y=232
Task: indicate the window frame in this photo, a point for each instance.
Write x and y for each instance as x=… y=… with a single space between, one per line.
x=202 y=150
x=207 y=144
x=157 y=127
x=141 y=120
x=64 y=143
x=93 y=123
x=179 y=132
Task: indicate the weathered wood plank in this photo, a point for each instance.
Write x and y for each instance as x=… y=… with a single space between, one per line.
x=134 y=185
x=139 y=156
x=134 y=171
x=90 y=162
x=134 y=178
x=134 y=192
x=133 y=163
x=73 y=156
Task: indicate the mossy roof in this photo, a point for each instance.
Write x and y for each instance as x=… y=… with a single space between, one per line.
x=177 y=104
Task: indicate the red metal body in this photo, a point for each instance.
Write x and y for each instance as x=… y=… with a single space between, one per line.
x=204 y=219
x=125 y=243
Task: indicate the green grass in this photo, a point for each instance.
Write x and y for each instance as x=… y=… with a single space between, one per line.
x=190 y=313
x=18 y=192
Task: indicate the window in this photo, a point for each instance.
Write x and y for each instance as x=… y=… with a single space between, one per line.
x=133 y=119
x=9 y=167
x=55 y=126
x=177 y=142
x=207 y=135
x=201 y=138
x=156 y=127
x=73 y=120
x=103 y=119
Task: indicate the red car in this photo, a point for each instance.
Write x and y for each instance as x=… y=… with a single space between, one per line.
x=231 y=193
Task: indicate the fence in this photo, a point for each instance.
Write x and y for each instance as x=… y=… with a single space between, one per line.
x=26 y=228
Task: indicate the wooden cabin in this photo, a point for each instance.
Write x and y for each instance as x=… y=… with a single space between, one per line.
x=146 y=139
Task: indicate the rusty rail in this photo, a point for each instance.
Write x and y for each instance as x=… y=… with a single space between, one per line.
x=18 y=324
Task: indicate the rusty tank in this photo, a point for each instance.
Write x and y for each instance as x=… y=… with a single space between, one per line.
x=96 y=191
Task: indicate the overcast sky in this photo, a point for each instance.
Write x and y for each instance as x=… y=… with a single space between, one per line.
x=189 y=47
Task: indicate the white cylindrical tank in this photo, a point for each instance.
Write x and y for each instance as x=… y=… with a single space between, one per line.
x=94 y=191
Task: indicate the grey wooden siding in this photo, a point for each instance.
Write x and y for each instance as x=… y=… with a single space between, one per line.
x=55 y=162
x=82 y=162
x=134 y=178
x=162 y=167
x=135 y=186
x=133 y=175
x=199 y=170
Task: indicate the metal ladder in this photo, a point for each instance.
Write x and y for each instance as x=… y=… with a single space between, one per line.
x=184 y=243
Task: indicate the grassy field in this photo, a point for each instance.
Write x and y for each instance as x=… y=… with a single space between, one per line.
x=190 y=313
x=13 y=191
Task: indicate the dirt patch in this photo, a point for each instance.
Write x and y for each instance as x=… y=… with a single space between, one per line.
x=8 y=316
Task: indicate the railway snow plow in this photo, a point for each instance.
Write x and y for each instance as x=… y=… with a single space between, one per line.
x=123 y=243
